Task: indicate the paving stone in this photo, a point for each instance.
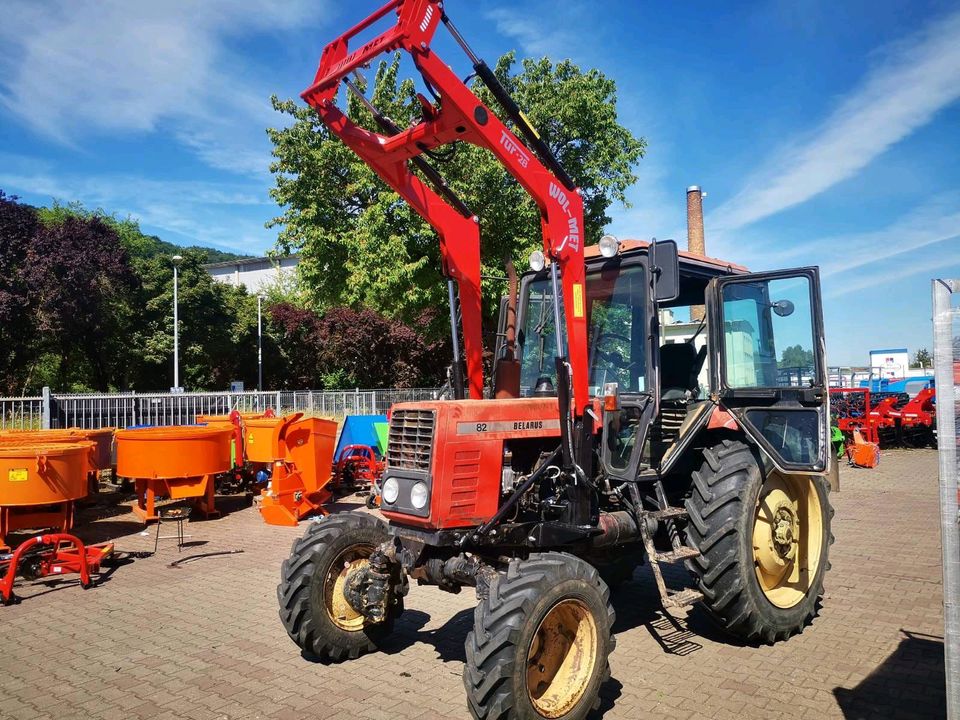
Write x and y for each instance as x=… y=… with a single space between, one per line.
x=203 y=640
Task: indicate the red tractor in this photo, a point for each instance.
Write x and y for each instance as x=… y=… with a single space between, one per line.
x=599 y=444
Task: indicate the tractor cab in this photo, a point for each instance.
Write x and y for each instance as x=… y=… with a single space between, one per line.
x=662 y=359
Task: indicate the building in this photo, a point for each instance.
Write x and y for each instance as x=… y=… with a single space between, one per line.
x=890 y=362
x=254 y=274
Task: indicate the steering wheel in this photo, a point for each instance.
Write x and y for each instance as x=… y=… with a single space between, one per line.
x=613 y=357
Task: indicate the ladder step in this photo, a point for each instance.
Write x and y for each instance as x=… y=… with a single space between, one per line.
x=669 y=513
x=682 y=598
x=681 y=553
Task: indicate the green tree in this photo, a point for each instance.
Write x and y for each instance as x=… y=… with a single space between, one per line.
x=361 y=247
x=795 y=356
x=137 y=243
x=127 y=343
x=922 y=359
x=218 y=328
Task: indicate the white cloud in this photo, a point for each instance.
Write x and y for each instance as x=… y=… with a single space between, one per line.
x=891 y=273
x=912 y=80
x=925 y=238
x=538 y=38
x=69 y=68
x=654 y=211
x=932 y=223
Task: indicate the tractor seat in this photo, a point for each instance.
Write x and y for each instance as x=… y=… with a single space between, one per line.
x=680 y=365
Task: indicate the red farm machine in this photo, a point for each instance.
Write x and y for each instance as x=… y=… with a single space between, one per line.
x=54 y=554
x=596 y=447
x=888 y=419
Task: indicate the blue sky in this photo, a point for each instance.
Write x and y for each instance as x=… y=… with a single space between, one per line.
x=824 y=133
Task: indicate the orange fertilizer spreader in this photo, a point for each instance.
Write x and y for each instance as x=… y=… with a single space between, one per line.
x=40 y=484
x=299 y=452
x=101 y=458
x=175 y=462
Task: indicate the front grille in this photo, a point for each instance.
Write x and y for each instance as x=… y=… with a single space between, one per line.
x=410 y=443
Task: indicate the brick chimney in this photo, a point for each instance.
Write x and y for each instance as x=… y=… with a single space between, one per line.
x=695 y=236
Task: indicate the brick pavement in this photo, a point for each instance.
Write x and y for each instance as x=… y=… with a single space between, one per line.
x=202 y=641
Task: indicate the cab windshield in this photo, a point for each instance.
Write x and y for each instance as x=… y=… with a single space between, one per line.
x=616 y=307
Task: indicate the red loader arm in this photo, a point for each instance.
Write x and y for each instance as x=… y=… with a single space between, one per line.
x=459 y=115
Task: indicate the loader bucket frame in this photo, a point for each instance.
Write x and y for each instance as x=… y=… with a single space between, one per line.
x=461 y=116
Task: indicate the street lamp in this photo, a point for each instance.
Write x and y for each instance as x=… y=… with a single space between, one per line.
x=176 y=326
x=260 y=300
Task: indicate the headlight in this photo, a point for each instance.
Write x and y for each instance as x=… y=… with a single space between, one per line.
x=390 y=491
x=418 y=496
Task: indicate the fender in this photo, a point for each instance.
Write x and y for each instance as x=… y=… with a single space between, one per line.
x=720 y=419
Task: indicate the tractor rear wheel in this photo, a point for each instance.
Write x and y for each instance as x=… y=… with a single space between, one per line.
x=764 y=542
x=313 y=608
x=540 y=642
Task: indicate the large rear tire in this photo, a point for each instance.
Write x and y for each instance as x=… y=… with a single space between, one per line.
x=764 y=541
x=540 y=643
x=313 y=609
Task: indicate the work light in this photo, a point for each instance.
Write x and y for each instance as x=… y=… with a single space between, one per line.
x=609 y=246
x=537 y=261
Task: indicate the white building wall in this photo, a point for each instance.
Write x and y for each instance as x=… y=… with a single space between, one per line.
x=255 y=274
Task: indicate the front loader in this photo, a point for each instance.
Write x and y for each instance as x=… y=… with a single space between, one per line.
x=606 y=439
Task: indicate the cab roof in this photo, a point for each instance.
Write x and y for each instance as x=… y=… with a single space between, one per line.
x=593 y=251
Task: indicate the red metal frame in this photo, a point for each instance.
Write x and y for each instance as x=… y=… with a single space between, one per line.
x=920 y=410
x=461 y=116
x=363 y=463
x=866 y=423
x=58 y=560
x=880 y=414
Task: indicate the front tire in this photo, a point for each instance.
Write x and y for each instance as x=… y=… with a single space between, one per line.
x=764 y=542
x=540 y=643
x=313 y=609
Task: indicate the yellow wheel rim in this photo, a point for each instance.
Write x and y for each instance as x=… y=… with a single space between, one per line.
x=787 y=538
x=341 y=612
x=561 y=658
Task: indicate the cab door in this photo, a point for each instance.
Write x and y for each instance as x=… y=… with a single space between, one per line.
x=767 y=363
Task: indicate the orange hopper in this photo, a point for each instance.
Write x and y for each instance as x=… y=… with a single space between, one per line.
x=176 y=462
x=301 y=453
x=40 y=483
x=862 y=453
x=102 y=438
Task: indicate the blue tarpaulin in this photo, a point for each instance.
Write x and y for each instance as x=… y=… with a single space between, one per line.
x=360 y=430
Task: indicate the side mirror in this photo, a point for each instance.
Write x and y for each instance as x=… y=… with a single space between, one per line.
x=665 y=270
x=783 y=308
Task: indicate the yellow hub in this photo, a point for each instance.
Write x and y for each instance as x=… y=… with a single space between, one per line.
x=341 y=612
x=787 y=538
x=561 y=659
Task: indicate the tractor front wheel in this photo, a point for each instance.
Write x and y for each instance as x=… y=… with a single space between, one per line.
x=540 y=643
x=313 y=607
x=764 y=541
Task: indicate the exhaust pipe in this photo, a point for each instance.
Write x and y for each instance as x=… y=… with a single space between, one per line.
x=695 y=242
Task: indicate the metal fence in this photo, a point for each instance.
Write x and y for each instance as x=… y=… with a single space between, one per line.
x=55 y=410
x=946 y=352
x=20 y=413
